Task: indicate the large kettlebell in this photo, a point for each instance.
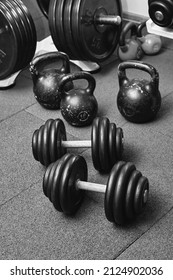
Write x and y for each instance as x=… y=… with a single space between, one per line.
x=129 y=48
x=138 y=100
x=161 y=12
x=78 y=106
x=46 y=81
x=150 y=43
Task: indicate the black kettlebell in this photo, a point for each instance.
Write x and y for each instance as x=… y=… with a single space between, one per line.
x=46 y=81
x=138 y=100
x=161 y=12
x=78 y=106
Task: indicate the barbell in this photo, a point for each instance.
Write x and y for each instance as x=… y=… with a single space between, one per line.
x=49 y=143
x=126 y=192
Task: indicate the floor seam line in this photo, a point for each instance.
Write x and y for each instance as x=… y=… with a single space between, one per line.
x=122 y=251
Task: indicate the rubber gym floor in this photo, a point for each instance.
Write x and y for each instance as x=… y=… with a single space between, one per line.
x=30 y=226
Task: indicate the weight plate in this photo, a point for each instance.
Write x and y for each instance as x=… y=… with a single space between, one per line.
x=130 y=194
x=59 y=11
x=52 y=23
x=29 y=21
x=74 y=27
x=95 y=144
x=26 y=33
x=67 y=20
x=112 y=144
x=8 y=44
x=142 y=186
x=120 y=193
x=109 y=194
x=16 y=27
x=97 y=42
x=21 y=32
x=71 y=197
x=44 y=6
x=103 y=144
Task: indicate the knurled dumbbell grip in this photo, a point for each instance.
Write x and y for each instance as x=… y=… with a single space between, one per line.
x=87 y=186
x=76 y=144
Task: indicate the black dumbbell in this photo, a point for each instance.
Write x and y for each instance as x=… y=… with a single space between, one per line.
x=126 y=192
x=49 y=143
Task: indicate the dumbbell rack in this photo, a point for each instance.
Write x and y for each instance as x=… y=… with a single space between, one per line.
x=161 y=31
x=47 y=45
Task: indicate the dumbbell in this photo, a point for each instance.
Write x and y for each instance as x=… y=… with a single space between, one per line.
x=49 y=143
x=126 y=192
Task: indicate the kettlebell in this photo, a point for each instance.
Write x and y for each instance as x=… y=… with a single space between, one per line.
x=150 y=43
x=130 y=48
x=161 y=12
x=46 y=81
x=138 y=100
x=78 y=106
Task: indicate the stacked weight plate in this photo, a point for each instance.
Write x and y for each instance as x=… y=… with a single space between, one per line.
x=17 y=37
x=79 y=27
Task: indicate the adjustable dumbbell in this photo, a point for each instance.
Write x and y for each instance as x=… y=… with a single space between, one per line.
x=126 y=192
x=49 y=143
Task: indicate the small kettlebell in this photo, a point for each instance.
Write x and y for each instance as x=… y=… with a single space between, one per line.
x=130 y=48
x=78 y=106
x=46 y=82
x=138 y=100
x=150 y=43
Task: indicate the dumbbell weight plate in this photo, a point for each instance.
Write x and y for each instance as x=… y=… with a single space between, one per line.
x=46 y=142
x=120 y=193
x=130 y=194
x=20 y=31
x=70 y=197
x=96 y=42
x=142 y=186
x=9 y=44
x=44 y=6
x=108 y=201
x=67 y=19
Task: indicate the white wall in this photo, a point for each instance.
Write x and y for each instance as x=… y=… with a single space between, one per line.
x=137 y=7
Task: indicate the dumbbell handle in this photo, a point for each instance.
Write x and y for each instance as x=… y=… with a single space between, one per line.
x=107 y=20
x=87 y=186
x=76 y=144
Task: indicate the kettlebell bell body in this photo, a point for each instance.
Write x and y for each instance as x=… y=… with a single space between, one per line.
x=129 y=48
x=138 y=100
x=161 y=12
x=150 y=43
x=46 y=82
x=78 y=106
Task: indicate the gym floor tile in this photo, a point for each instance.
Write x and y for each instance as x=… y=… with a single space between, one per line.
x=33 y=229
x=17 y=98
x=155 y=244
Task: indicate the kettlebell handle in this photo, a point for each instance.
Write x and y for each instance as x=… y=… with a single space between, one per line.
x=130 y=26
x=139 y=65
x=78 y=76
x=51 y=56
x=140 y=28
